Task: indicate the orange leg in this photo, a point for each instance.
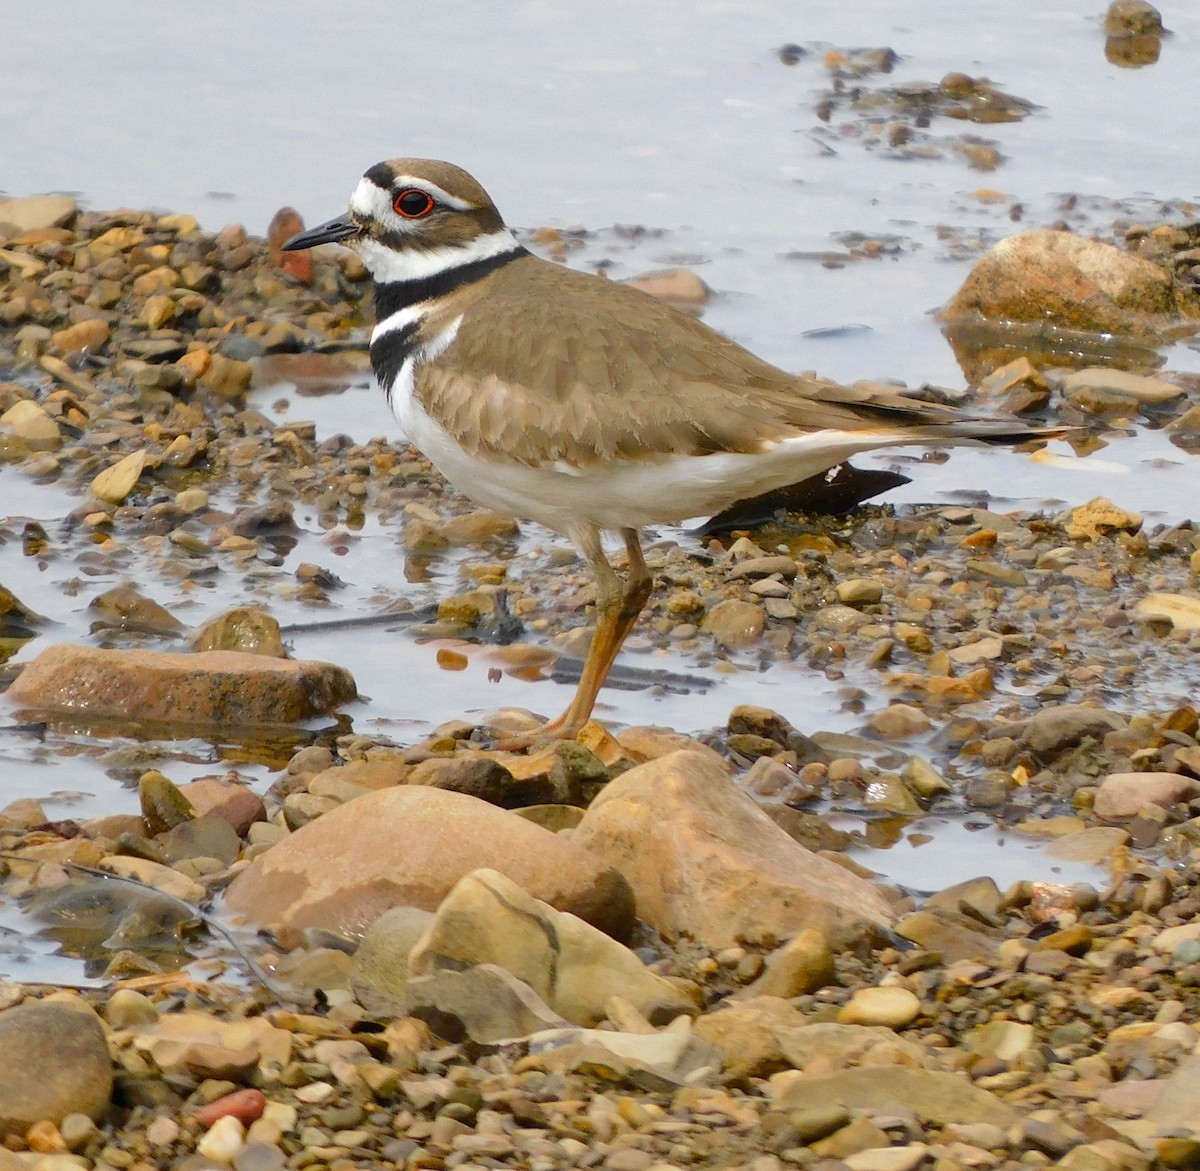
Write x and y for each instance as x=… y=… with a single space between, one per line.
x=617 y=608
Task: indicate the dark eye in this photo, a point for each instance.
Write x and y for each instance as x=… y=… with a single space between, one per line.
x=413 y=203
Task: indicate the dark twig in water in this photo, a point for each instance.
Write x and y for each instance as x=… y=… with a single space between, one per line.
x=256 y=969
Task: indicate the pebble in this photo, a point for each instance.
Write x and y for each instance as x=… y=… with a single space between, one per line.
x=223 y=1141
x=889 y=1006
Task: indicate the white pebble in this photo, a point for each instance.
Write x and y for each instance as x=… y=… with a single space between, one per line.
x=224 y=1139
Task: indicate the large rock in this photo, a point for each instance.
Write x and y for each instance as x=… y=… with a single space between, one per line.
x=56 y=1063
x=1052 y=278
x=707 y=864
x=214 y=687
x=576 y=969
x=408 y=846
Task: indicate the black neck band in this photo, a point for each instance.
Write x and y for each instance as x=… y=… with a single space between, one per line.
x=396 y=295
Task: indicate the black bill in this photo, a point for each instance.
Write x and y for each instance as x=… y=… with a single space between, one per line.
x=329 y=232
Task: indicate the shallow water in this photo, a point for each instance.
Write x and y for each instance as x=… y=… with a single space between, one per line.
x=679 y=117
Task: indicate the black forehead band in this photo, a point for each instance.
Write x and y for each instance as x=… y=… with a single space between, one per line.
x=381 y=175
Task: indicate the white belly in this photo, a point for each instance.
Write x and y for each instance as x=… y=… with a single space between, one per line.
x=625 y=494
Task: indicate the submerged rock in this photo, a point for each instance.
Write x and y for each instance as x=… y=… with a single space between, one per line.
x=249 y=629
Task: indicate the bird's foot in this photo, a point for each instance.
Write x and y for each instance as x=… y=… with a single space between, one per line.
x=541 y=737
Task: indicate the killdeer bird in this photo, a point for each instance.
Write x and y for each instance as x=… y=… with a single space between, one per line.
x=583 y=404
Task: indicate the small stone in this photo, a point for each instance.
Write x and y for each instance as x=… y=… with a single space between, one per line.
x=802 y=966
x=30 y=423
x=127 y=1009
x=734 y=623
x=1125 y=18
x=814 y=1124
x=1100 y=518
x=116 y=482
x=1139 y=387
x=892 y=1007
x=223 y=1141
x=157 y=311
x=83 y=337
x=246 y=629
x=677 y=286
x=244 y=1105
x=899 y=721
x=904 y=1158
x=859 y=591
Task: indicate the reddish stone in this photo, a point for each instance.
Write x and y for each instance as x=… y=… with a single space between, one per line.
x=298 y=265
x=246 y=1106
x=236 y=804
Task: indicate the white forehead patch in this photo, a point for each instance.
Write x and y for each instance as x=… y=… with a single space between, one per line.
x=369 y=200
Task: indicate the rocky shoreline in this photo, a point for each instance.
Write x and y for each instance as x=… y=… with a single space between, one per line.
x=643 y=950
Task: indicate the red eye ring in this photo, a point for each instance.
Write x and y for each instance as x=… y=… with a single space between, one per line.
x=413 y=203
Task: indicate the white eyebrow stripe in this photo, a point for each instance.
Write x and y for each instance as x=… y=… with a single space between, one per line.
x=438 y=193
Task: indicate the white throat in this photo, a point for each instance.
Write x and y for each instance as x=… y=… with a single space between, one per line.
x=389 y=264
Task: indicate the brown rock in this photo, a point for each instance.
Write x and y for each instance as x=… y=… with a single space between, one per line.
x=158 y=311
x=249 y=629
x=1132 y=18
x=1100 y=518
x=706 y=863
x=31 y=424
x=1053 y=730
x=56 y=1063
x=677 y=286
x=480 y=527
x=747 y=1034
x=227 y=377
x=573 y=967
x=408 y=847
x=898 y=721
x=221 y=687
x=87 y=336
x=803 y=965
x=1048 y=277
x=1137 y=386
x=734 y=623
x=124 y=607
